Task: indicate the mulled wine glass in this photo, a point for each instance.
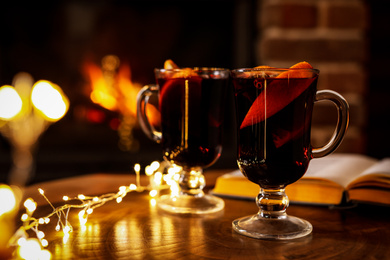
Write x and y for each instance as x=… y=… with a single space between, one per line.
x=274 y=110
x=191 y=104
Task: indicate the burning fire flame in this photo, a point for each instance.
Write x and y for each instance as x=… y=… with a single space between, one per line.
x=113 y=89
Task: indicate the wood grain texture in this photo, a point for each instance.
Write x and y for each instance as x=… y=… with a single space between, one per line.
x=134 y=229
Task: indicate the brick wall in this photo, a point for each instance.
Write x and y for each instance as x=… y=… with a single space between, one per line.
x=330 y=35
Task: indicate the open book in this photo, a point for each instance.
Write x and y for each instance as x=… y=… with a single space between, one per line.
x=331 y=180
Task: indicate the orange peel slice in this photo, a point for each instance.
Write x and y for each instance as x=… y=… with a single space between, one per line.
x=169 y=64
x=278 y=95
x=298 y=73
x=263 y=67
x=182 y=73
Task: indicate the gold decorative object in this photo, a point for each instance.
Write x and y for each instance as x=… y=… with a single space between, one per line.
x=26 y=110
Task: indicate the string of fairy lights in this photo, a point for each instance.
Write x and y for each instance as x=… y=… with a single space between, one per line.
x=161 y=176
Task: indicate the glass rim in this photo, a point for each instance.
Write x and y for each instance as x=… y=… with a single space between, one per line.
x=241 y=70
x=192 y=68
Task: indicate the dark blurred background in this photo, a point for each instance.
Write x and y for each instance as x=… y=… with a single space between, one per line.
x=56 y=40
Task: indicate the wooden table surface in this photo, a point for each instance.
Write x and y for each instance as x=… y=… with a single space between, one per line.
x=135 y=229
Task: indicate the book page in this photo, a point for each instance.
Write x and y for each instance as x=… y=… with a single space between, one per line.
x=339 y=168
x=382 y=167
x=235 y=173
x=377 y=175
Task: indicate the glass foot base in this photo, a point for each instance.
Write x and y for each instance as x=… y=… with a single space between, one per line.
x=285 y=228
x=187 y=204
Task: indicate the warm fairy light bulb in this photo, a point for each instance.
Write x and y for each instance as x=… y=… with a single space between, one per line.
x=119 y=199
x=176 y=177
x=21 y=241
x=153 y=193
x=7 y=199
x=45 y=255
x=157 y=179
x=133 y=187
x=24 y=217
x=174 y=189
x=81 y=213
x=148 y=171
x=158 y=175
x=137 y=167
x=10 y=103
x=167 y=177
x=83 y=218
x=174 y=169
x=44 y=243
x=67 y=229
x=155 y=165
x=30 y=205
x=81 y=197
x=89 y=211
x=122 y=190
x=29 y=249
x=65 y=198
x=95 y=199
x=41 y=191
x=40 y=235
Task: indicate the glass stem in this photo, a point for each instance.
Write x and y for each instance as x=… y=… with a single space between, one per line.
x=272 y=203
x=192 y=182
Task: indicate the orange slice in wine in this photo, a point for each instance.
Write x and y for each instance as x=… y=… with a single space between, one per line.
x=182 y=73
x=169 y=64
x=282 y=136
x=263 y=67
x=298 y=73
x=278 y=94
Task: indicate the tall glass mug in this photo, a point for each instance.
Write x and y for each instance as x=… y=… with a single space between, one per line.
x=274 y=110
x=191 y=103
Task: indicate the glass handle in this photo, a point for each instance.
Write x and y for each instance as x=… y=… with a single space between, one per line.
x=342 y=122
x=142 y=100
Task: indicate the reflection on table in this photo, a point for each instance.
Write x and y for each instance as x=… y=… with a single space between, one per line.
x=136 y=229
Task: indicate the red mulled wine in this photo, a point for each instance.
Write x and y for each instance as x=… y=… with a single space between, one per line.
x=191 y=119
x=274 y=115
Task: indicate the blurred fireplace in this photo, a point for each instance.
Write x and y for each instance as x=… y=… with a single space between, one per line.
x=55 y=40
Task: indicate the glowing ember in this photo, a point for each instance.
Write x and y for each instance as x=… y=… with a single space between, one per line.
x=26 y=111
